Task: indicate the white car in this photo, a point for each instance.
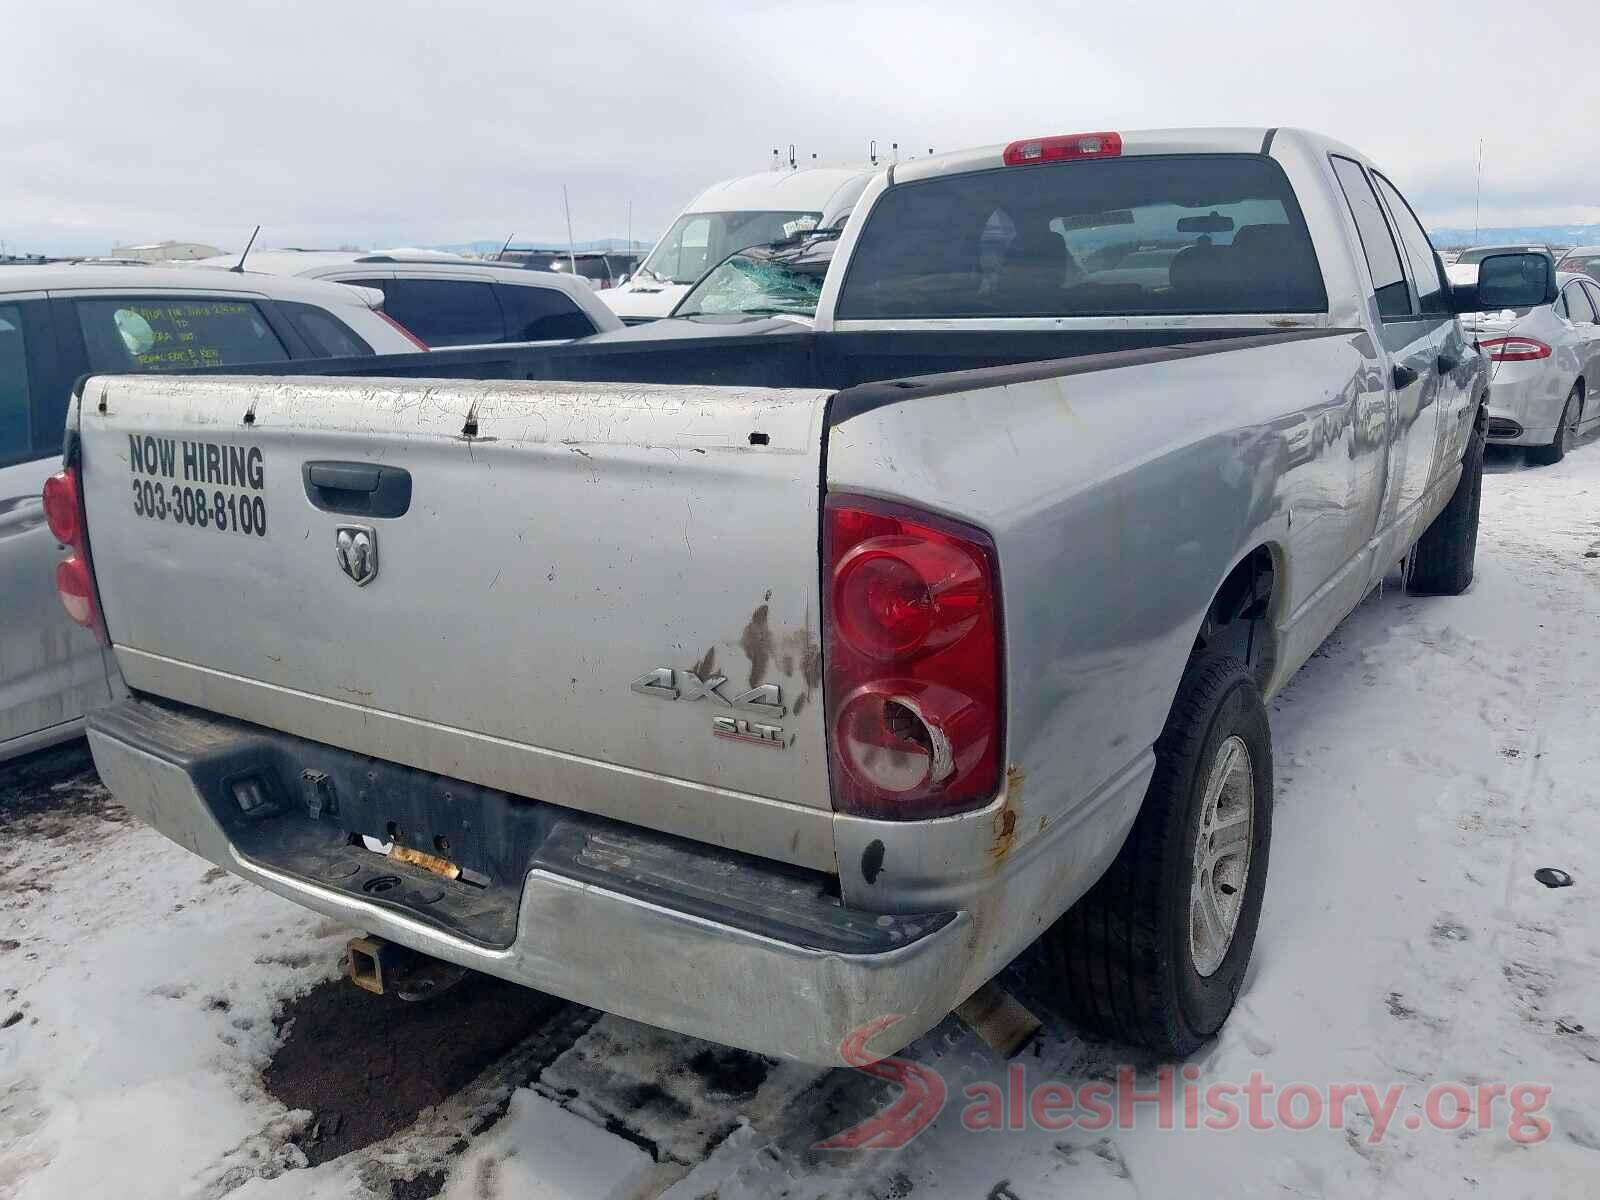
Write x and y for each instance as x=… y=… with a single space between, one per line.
x=1545 y=390
x=728 y=216
x=60 y=322
x=449 y=301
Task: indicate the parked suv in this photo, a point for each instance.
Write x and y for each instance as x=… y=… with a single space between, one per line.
x=451 y=301
x=600 y=269
x=62 y=321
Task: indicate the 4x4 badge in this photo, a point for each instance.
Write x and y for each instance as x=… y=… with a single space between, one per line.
x=665 y=683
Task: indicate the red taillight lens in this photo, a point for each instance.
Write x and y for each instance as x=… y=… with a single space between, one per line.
x=61 y=509
x=76 y=588
x=1514 y=349
x=912 y=661
x=63 y=512
x=1062 y=148
x=899 y=597
x=402 y=330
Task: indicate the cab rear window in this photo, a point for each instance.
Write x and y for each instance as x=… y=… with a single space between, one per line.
x=163 y=334
x=1144 y=235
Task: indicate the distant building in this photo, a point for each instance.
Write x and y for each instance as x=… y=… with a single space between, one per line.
x=166 y=251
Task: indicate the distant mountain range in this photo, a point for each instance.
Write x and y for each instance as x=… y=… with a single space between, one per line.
x=609 y=245
x=1538 y=235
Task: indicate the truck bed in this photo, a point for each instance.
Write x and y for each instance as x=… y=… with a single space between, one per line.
x=645 y=510
x=908 y=362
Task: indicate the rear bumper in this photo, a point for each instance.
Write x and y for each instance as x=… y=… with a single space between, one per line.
x=1525 y=405
x=722 y=946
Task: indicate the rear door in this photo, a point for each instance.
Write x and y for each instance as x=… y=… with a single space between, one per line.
x=1591 y=407
x=51 y=670
x=1411 y=342
x=1455 y=400
x=1581 y=312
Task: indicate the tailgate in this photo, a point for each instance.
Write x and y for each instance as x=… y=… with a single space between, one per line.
x=604 y=596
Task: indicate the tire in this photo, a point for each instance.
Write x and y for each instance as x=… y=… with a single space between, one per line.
x=1128 y=964
x=1566 y=432
x=1443 y=558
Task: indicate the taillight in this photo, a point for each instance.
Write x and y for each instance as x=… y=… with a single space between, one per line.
x=1059 y=149
x=62 y=508
x=63 y=512
x=1514 y=349
x=912 y=661
x=76 y=588
x=402 y=330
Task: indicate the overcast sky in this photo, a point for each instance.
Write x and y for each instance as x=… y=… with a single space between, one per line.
x=393 y=123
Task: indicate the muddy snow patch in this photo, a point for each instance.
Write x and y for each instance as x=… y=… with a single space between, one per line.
x=365 y=1066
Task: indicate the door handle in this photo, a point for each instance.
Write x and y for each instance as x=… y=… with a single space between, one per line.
x=1447 y=364
x=20 y=514
x=357 y=489
x=1404 y=377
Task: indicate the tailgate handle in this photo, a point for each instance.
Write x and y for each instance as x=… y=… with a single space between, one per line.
x=358 y=489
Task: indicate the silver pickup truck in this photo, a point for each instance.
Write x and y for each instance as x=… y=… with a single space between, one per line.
x=765 y=688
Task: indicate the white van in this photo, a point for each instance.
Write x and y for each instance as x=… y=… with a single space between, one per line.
x=729 y=216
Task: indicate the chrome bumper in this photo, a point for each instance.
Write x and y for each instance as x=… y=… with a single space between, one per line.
x=642 y=956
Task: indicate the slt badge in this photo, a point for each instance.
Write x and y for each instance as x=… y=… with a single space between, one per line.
x=664 y=683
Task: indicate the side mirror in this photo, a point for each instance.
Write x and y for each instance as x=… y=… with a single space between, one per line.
x=1508 y=281
x=623 y=278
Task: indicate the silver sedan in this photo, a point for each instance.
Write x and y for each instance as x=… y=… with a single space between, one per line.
x=1545 y=389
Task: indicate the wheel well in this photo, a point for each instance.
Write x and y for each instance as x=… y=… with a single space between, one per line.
x=1583 y=393
x=1236 y=620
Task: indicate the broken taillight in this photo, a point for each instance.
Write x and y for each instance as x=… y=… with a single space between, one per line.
x=63 y=513
x=912 y=661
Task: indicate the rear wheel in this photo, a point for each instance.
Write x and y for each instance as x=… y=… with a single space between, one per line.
x=1566 y=432
x=1155 y=953
x=1442 y=561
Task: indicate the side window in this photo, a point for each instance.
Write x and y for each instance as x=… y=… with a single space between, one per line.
x=1561 y=307
x=445 y=312
x=1394 y=299
x=693 y=249
x=16 y=442
x=1419 y=250
x=165 y=334
x=539 y=314
x=327 y=336
x=1580 y=312
x=1592 y=290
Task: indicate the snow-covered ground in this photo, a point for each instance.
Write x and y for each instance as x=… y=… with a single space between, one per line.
x=1432 y=756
